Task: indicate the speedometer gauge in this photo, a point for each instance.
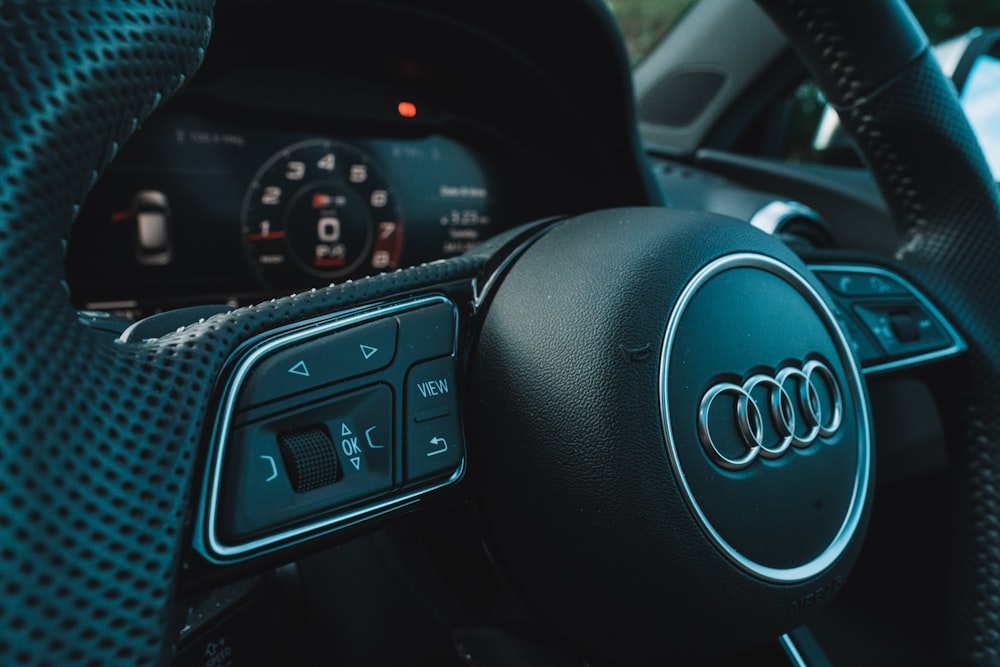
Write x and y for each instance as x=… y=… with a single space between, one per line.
x=320 y=209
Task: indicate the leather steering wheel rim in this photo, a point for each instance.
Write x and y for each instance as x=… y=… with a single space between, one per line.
x=98 y=440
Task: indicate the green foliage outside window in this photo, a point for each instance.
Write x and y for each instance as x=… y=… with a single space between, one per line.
x=644 y=22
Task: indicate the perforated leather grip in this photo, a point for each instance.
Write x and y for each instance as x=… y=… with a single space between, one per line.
x=91 y=466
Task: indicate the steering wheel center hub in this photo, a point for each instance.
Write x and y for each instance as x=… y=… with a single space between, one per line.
x=681 y=485
x=766 y=430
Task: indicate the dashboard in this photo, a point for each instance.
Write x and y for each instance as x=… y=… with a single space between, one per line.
x=201 y=210
x=301 y=155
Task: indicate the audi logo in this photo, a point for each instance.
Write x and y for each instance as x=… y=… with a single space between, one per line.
x=802 y=405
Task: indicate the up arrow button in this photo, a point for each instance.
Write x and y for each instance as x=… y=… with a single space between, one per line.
x=299 y=369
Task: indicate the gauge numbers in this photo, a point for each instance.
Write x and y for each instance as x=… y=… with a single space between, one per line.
x=319 y=210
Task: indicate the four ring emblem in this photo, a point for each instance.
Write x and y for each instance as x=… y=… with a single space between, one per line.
x=802 y=405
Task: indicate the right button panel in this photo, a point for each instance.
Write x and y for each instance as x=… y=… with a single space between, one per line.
x=890 y=323
x=432 y=430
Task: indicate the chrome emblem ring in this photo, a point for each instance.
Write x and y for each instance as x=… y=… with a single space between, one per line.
x=802 y=405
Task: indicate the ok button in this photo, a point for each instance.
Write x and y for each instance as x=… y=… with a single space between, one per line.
x=324 y=360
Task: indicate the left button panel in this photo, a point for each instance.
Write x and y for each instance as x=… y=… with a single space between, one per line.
x=309 y=437
x=348 y=458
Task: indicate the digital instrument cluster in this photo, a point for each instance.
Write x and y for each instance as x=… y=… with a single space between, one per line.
x=198 y=211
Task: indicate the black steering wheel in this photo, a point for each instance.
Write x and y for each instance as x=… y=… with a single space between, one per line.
x=610 y=389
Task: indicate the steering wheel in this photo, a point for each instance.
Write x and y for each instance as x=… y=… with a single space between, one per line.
x=642 y=390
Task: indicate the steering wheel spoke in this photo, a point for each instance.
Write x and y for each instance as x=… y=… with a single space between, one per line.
x=339 y=406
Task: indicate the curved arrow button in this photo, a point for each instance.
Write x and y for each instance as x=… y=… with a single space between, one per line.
x=441 y=444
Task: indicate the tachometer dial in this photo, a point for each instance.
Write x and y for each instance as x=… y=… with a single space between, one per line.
x=320 y=210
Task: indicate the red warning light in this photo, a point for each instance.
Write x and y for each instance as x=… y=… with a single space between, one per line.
x=321 y=200
x=407 y=109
